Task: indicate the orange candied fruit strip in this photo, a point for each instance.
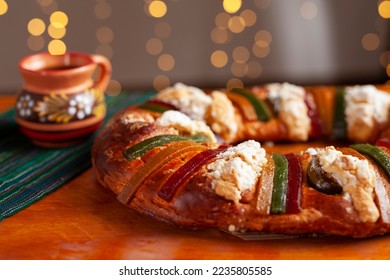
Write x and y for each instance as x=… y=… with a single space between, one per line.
x=244 y=105
x=171 y=151
x=265 y=187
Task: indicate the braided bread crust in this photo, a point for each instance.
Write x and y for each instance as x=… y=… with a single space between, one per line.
x=197 y=204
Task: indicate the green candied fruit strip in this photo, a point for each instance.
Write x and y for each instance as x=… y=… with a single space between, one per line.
x=198 y=138
x=376 y=154
x=339 y=122
x=279 y=192
x=148 y=144
x=262 y=111
x=154 y=108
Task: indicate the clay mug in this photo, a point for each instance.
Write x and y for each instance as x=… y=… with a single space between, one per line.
x=61 y=102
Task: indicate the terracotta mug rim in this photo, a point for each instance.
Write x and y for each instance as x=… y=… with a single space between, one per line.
x=23 y=63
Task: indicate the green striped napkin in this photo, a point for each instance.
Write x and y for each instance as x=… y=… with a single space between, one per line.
x=28 y=173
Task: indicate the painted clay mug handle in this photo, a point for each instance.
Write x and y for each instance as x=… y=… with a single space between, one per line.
x=105 y=71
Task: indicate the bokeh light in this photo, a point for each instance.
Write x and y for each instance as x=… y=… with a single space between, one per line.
x=154 y=46
x=260 y=51
x=3 y=7
x=55 y=29
x=254 y=69
x=241 y=54
x=234 y=83
x=157 y=9
x=308 y=10
x=35 y=43
x=114 y=87
x=370 y=41
x=219 y=58
x=59 y=19
x=231 y=6
x=105 y=50
x=236 y=24
x=384 y=9
x=105 y=35
x=160 y=82
x=262 y=43
x=239 y=69
x=56 y=47
x=220 y=35
x=384 y=58
x=162 y=29
x=263 y=36
x=226 y=24
x=222 y=20
x=166 y=62
x=56 y=33
x=103 y=10
x=249 y=17
x=45 y=2
x=262 y=4
x=49 y=7
x=36 y=26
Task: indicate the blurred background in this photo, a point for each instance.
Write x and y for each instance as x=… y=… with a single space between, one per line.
x=219 y=43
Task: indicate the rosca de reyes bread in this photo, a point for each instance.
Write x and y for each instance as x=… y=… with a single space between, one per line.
x=194 y=158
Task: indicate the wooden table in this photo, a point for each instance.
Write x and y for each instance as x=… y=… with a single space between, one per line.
x=82 y=220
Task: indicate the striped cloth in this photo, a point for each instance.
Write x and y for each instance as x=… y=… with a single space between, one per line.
x=28 y=173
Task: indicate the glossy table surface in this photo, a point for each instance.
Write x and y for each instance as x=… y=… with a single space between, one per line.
x=83 y=220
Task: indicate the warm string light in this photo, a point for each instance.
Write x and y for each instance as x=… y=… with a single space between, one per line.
x=231 y=6
x=370 y=41
x=239 y=67
x=308 y=10
x=114 y=87
x=103 y=10
x=157 y=8
x=154 y=46
x=166 y=62
x=58 y=19
x=162 y=29
x=234 y=20
x=36 y=27
x=230 y=23
x=261 y=46
x=160 y=82
x=236 y=24
x=58 y=22
x=234 y=83
x=48 y=6
x=219 y=58
x=384 y=9
x=262 y=4
x=56 y=47
x=384 y=59
x=105 y=36
x=56 y=29
x=3 y=7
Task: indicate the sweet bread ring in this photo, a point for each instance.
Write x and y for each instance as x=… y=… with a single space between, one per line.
x=170 y=165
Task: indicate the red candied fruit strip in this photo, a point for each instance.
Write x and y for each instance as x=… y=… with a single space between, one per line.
x=383 y=142
x=186 y=171
x=316 y=128
x=294 y=184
